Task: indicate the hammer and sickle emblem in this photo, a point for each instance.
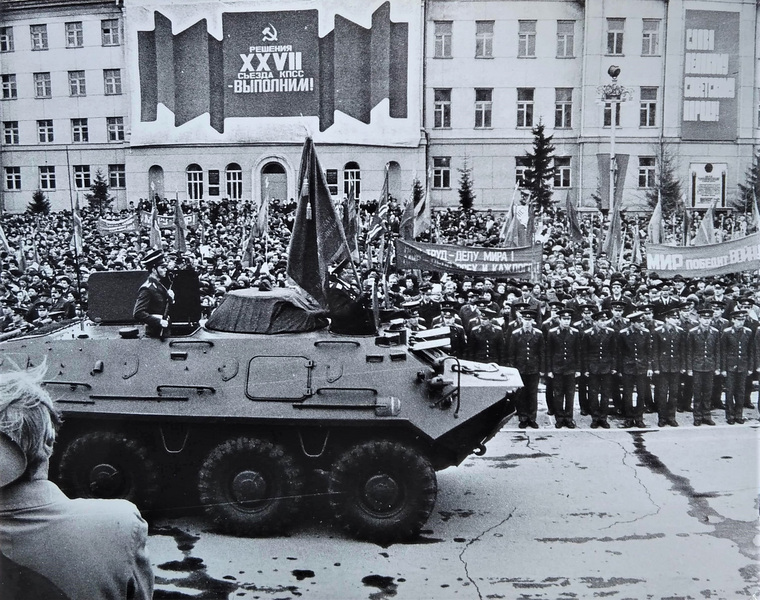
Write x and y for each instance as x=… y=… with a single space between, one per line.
x=269 y=33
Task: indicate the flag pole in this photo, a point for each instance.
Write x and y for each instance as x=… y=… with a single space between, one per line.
x=73 y=227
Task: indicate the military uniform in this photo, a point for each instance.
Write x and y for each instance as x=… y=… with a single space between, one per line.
x=703 y=360
x=735 y=359
x=634 y=360
x=599 y=352
x=526 y=354
x=152 y=300
x=563 y=363
x=668 y=363
x=485 y=343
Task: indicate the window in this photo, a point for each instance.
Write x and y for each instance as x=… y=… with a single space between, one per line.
x=646 y=171
x=615 y=36
x=74 y=37
x=47 y=178
x=483 y=39
x=650 y=41
x=109 y=30
x=194 y=182
x=565 y=39
x=234 y=179
x=42 y=87
x=648 y=109
x=561 y=171
x=79 y=130
x=6 y=39
x=39 y=37
x=483 y=106
x=442 y=109
x=525 y=107
x=442 y=39
x=77 y=85
x=9 y=87
x=117 y=176
x=563 y=108
x=522 y=164
x=608 y=114
x=10 y=133
x=526 y=40
x=352 y=176
x=12 y=178
x=45 y=131
x=213 y=182
x=441 y=172
x=331 y=176
x=115 y=129
x=112 y=81
x=81 y=177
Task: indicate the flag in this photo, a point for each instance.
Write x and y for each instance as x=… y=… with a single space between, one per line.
x=180 y=228
x=706 y=232
x=76 y=237
x=155 y=230
x=655 y=231
x=509 y=214
x=636 y=256
x=351 y=224
x=318 y=238
x=377 y=226
x=573 y=225
x=422 y=218
x=686 y=227
x=406 y=228
x=755 y=214
x=612 y=239
x=247 y=250
x=4 y=245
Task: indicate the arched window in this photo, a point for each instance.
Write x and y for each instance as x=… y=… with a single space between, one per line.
x=233 y=176
x=352 y=176
x=194 y=182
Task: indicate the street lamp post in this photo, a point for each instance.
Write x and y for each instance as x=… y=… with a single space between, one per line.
x=613 y=93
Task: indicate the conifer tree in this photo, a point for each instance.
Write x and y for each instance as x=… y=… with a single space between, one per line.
x=667 y=185
x=39 y=205
x=539 y=176
x=750 y=191
x=466 y=194
x=98 y=197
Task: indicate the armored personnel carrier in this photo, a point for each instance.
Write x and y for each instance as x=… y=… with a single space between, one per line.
x=244 y=407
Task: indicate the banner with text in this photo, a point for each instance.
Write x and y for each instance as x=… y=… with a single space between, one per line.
x=241 y=71
x=704 y=261
x=167 y=221
x=108 y=227
x=522 y=263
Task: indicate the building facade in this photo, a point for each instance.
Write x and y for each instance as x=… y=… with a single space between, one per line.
x=201 y=100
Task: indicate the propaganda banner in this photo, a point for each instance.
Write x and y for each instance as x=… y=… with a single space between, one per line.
x=106 y=227
x=167 y=221
x=239 y=71
x=520 y=263
x=733 y=256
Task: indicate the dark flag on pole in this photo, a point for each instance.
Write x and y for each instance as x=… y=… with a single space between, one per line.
x=180 y=228
x=573 y=226
x=318 y=239
x=351 y=224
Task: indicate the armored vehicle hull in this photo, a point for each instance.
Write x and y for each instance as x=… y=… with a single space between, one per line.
x=243 y=419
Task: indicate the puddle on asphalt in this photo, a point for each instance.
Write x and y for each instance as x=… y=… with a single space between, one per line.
x=385 y=584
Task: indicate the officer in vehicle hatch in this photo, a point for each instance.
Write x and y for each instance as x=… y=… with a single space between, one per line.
x=154 y=296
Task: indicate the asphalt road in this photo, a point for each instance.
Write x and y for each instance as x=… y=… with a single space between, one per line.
x=546 y=513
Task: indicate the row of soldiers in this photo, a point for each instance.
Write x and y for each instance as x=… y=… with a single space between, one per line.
x=690 y=355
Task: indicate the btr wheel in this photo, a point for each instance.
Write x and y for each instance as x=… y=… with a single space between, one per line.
x=250 y=487
x=382 y=491
x=108 y=465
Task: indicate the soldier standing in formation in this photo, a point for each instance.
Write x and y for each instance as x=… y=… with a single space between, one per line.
x=599 y=352
x=634 y=356
x=526 y=354
x=563 y=366
x=484 y=342
x=668 y=364
x=703 y=363
x=735 y=349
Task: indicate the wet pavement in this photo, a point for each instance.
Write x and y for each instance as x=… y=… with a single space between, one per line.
x=545 y=514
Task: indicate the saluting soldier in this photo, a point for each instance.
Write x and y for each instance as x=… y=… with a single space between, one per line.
x=153 y=297
x=668 y=363
x=469 y=312
x=617 y=323
x=720 y=323
x=687 y=320
x=526 y=354
x=563 y=366
x=599 y=350
x=736 y=365
x=484 y=342
x=457 y=337
x=703 y=363
x=650 y=324
x=429 y=309
x=634 y=360
x=585 y=322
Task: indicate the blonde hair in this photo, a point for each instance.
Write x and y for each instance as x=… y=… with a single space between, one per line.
x=27 y=413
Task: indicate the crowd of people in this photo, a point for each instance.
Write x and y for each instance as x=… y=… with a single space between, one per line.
x=43 y=280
